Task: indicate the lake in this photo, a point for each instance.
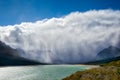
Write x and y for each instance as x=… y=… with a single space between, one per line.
x=39 y=72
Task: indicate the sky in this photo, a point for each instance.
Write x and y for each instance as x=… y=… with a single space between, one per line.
x=18 y=11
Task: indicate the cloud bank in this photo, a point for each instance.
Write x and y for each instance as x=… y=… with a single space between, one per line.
x=74 y=38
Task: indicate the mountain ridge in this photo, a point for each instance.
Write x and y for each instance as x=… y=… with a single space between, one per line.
x=106 y=55
x=11 y=57
x=109 y=52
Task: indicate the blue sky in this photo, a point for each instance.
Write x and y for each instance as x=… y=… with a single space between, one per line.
x=17 y=11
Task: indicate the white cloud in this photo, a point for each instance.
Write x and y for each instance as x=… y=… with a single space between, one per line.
x=76 y=37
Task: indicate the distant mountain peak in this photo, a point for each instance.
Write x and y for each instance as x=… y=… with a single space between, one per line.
x=109 y=52
x=110 y=47
x=11 y=57
x=113 y=47
x=7 y=50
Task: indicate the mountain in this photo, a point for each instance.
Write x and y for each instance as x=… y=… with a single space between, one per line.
x=106 y=55
x=110 y=52
x=10 y=57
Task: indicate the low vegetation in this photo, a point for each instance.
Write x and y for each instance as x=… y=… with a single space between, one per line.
x=109 y=71
x=113 y=63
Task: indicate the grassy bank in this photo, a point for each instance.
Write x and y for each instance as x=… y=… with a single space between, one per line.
x=109 y=71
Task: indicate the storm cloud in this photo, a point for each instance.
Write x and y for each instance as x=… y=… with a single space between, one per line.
x=74 y=38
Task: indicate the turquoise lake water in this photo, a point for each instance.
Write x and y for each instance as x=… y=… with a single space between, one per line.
x=41 y=72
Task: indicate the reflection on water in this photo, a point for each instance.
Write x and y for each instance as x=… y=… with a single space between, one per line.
x=41 y=72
